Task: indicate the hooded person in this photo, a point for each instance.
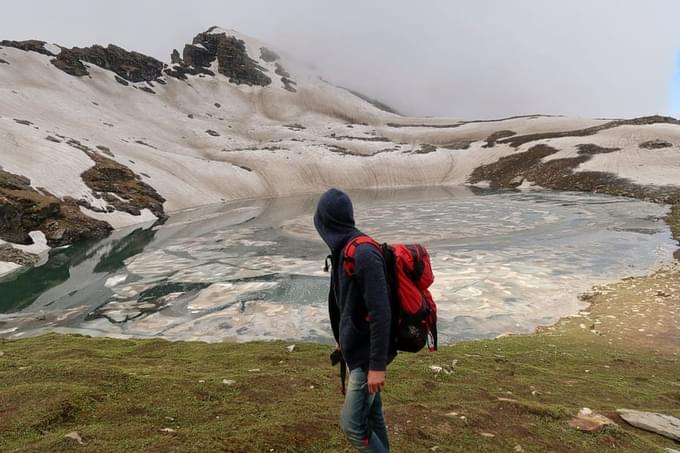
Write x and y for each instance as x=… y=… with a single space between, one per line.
x=360 y=315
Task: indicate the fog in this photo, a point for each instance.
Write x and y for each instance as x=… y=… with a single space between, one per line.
x=481 y=59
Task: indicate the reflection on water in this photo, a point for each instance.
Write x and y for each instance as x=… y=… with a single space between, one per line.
x=504 y=262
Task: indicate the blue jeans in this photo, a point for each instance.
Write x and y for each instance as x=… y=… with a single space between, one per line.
x=362 y=417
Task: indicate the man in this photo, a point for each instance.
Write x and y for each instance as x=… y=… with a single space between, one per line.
x=360 y=315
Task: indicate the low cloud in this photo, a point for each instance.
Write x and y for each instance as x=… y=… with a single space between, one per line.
x=489 y=58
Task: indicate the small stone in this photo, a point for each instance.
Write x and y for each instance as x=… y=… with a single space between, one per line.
x=311 y=387
x=435 y=448
x=201 y=381
x=172 y=419
x=291 y=348
x=518 y=448
x=436 y=369
x=489 y=435
x=254 y=370
x=228 y=381
x=75 y=436
x=452 y=414
x=1 y=353
x=168 y=430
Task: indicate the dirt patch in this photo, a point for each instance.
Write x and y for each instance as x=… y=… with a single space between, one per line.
x=640 y=312
x=425 y=149
x=656 y=144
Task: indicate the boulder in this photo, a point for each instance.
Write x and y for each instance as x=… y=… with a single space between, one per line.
x=665 y=425
x=589 y=421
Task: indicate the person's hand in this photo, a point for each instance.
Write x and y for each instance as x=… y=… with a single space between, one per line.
x=337 y=347
x=376 y=381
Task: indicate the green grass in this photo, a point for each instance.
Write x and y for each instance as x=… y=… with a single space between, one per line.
x=119 y=394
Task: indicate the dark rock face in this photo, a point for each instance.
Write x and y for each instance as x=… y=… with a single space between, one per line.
x=174 y=57
x=131 y=66
x=31 y=45
x=655 y=144
x=24 y=209
x=198 y=56
x=231 y=55
x=70 y=63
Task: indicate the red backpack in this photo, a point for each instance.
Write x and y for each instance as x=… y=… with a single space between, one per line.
x=409 y=275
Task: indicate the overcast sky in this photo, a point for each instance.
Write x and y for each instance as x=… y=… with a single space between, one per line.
x=464 y=59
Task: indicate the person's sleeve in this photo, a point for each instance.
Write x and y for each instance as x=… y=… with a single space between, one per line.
x=334 y=313
x=370 y=274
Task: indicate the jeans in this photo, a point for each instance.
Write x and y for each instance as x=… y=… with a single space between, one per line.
x=362 y=417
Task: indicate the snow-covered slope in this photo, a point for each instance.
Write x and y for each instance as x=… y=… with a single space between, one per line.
x=231 y=119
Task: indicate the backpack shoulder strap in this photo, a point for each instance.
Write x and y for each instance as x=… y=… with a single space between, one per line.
x=350 y=250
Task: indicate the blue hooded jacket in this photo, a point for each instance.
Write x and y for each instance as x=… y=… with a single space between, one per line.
x=359 y=306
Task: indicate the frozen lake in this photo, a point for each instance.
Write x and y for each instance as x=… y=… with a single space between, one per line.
x=503 y=262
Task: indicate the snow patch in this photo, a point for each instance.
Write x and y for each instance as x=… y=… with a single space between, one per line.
x=120 y=219
x=52 y=48
x=7 y=268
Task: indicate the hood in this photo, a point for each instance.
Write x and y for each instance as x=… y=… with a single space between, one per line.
x=334 y=219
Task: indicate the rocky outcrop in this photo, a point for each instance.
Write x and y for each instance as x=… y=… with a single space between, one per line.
x=24 y=209
x=559 y=174
x=13 y=255
x=231 y=55
x=174 y=57
x=131 y=66
x=121 y=187
x=31 y=45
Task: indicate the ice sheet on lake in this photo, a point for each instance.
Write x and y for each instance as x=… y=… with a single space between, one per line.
x=503 y=263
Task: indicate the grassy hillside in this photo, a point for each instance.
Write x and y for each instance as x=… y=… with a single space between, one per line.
x=119 y=395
